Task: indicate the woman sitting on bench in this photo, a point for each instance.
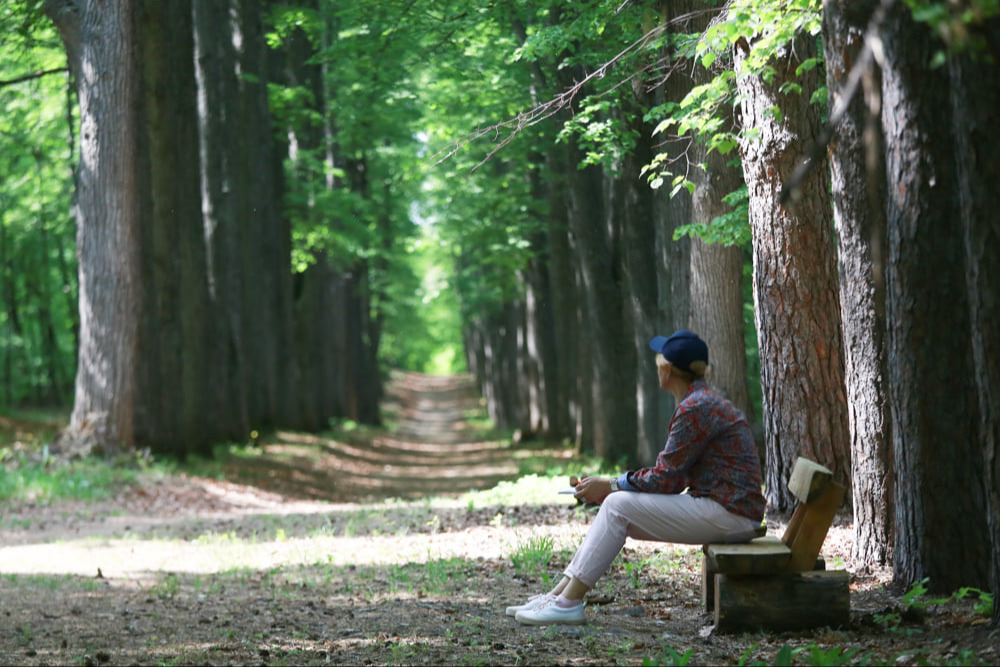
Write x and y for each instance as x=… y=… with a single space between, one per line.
x=710 y=452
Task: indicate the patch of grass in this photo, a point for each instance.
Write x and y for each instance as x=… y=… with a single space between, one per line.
x=50 y=582
x=984 y=601
x=533 y=555
x=532 y=488
x=30 y=427
x=669 y=656
x=167 y=587
x=39 y=480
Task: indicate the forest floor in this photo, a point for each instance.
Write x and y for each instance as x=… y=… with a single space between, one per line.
x=370 y=550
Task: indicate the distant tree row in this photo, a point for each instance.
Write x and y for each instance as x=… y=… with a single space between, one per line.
x=237 y=224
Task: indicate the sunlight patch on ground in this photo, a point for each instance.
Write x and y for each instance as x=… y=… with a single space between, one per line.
x=129 y=558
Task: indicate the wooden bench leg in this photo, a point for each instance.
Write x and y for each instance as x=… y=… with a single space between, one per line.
x=782 y=602
x=708 y=571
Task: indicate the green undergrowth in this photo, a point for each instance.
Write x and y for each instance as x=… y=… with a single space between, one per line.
x=31 y=475
x=38 y=479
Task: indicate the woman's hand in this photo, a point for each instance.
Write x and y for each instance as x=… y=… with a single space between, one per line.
x=593 y=489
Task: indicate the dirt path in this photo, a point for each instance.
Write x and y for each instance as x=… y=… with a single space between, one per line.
x=306 y=554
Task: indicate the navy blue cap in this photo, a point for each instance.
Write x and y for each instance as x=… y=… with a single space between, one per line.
x=681 y=349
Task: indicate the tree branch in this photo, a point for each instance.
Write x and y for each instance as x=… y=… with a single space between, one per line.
x=33 y=75
x=546 y=110
x=864 y=60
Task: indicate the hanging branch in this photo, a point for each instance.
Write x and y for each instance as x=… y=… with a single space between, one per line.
x=33 y=75
x=868 y=53
x=548 y=109
x=542 y=111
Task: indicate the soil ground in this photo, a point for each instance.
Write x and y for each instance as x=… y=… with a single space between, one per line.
x=328 y=550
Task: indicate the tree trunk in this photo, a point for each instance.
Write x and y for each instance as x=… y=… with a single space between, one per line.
x=859 y=219
x=639 y=270
x=565 y=311
x=717 y=280
x=795 y=283
x=612 y=407
x=214 y=68
x=941 y=528
x=173 y=412
x=264 y=246
x=673 y=257
x=976 y=97
x=99 y=38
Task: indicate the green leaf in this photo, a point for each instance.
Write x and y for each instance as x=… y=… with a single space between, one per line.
x=806 y=65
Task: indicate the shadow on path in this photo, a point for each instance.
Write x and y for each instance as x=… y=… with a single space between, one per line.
x=438 y=444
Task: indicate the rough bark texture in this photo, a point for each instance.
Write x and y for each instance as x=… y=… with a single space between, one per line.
x=795 y=284
x=99 y=39
x=859 y=219
x=976 y=97
x=941 y=529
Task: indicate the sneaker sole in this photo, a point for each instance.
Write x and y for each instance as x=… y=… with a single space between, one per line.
x=537 y=622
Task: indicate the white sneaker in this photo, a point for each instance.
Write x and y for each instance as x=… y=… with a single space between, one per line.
x=552 y=614
x=530 y=604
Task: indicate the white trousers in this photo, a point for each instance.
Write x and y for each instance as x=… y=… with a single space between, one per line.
x=659 y=517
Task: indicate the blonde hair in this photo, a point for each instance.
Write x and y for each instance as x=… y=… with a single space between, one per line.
x=699 y=369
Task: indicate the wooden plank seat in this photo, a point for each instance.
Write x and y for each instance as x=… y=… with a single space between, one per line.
x=782 y=584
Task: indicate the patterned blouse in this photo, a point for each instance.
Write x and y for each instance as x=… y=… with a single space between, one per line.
x=710 y=451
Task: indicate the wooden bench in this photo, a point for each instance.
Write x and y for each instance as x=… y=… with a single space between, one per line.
x=781 y=585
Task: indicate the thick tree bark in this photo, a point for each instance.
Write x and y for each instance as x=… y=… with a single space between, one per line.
x=795 y=284
x=941 y=527
x=99 y=39
x=975 y=98
x=859 y=218
x=175 y=327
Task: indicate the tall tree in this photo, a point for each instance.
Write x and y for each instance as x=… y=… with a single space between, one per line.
x=174 y=323
x=975 y=96
x=100 y=43
x=857 y=179
x=795 y=284
x=938 y=454
x=717 y=266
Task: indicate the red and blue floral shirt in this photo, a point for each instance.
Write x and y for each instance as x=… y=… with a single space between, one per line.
x=710 y=451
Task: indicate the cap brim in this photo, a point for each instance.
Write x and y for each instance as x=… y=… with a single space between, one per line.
x=656 y=345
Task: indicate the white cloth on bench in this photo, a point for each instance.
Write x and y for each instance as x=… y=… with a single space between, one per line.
x=658 y=517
